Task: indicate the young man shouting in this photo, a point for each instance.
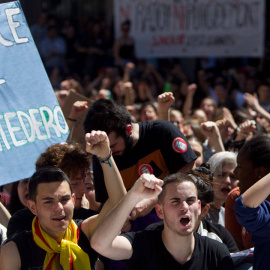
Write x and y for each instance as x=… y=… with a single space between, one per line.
x=175 y=246
x=56 y=241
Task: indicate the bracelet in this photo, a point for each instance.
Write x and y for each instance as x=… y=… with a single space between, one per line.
x=71 y=119
x=107 y=160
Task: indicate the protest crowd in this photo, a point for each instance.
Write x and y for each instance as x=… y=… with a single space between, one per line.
x=174 y=172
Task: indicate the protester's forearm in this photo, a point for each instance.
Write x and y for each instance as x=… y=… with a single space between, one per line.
x=188 y=104
x=4 y=215
x=126 y=75
x=263 y=112
x=130 y=97
x=164 y=115
x=116 y=191
x=112 y=224
x=217 y=144
x=114 y=183
x=71 y=123
x=257 y=193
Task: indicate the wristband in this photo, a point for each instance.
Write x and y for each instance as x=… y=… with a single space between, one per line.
x=71 y=119
x=107 y=160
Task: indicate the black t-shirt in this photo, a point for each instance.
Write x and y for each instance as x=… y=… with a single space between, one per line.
x=162 y=149
x=149 y=252
x=214 y=228
x=22 y=219
x=32 y=256
x=83 y=213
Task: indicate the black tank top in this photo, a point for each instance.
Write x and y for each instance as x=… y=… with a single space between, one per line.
x=32 y=256
x=126 y=52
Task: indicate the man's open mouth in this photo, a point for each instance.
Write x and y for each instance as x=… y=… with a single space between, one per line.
x=225 y=190
x=185 y=221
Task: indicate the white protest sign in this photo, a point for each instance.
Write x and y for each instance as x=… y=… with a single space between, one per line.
x=194 y=28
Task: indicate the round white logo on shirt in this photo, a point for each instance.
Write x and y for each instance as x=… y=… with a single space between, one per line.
x=145 y=168
x=179 y=145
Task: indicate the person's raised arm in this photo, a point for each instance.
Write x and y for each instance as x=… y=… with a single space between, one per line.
x=105 y=239
x=97 y=143
x=128 y=68
x=130 y=94
x=253 y=103
x=188 y=104
x=257 y=193
x=165 y=101
x=229 y=117
x=245 y=130
x=211 y=131
x=77 y=110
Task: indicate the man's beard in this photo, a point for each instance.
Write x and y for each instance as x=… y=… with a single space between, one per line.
x=128 y=144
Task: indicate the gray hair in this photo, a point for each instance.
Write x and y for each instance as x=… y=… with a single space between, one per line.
x=220 y=159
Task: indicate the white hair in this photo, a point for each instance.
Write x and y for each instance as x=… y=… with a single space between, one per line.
x=220 y=159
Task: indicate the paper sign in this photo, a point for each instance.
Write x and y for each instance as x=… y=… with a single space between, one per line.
x=30 y=116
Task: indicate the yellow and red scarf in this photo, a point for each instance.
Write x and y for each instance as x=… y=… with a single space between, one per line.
x=65 y=255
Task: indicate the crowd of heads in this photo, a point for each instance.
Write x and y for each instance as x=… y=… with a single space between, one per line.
x=233 y=96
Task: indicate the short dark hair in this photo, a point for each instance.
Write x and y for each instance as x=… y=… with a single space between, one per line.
x=258 y=151
x=174 y=178
x=203 y=183
x=45 y=175
x=106 y=115
x=15 y=202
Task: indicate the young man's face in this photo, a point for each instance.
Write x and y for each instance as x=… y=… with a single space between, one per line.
x=180 y=209
x=54 y=207
x=119 y=145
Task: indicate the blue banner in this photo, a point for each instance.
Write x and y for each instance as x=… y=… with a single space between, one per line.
x=30 y=116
